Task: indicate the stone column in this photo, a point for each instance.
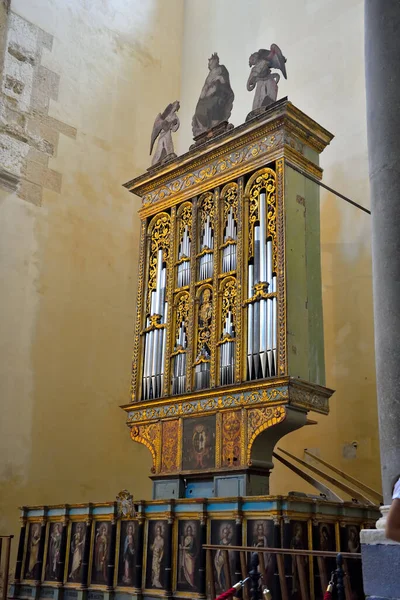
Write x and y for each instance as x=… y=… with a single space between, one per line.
x=381 y=558
x=382 y=74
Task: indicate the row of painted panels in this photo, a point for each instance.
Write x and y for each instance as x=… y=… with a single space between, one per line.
x=186 y=548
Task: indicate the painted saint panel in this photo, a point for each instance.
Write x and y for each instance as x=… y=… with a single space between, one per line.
x=198 y=449
x=350 y=542
x=260 y=534
x=351 y=539
x=32 y=551
x=127 y=553
x=188 y=556
x=75 y=554
x=296 y=538
x=157 y=543
x=53 y=551
x=324 y=537
x=101 y=552
x=223 y=534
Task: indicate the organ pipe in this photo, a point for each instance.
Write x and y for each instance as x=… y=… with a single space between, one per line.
x=184 y=259
x=203 y=337
x=262 y=305
x=155 y=336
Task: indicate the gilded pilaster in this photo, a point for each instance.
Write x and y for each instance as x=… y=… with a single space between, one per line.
x=214 y=326
x=239 y=280
x=170 y=300
x=139 y=311
x=192 y=343
x=282 y=312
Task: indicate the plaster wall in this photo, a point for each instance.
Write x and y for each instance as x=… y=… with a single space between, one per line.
x=324 y=45
x=69 y=231
x=87 y=79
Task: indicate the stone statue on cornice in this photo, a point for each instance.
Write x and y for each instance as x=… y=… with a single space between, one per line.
x=262 y=79
x=216 y=99
x=165 y=124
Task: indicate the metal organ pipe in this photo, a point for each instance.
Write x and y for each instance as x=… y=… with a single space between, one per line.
x=229 y=252
x=206 y=261
x=184 y=252
x=250 y=324
x=262 y=314
x=155 y=339
x=227 y=352
x=179 y=376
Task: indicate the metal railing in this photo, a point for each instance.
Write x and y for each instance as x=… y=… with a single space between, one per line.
x=287 y=573
x=5 y=553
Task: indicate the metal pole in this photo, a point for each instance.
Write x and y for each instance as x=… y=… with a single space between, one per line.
x=7 y=567
x=254 y=576
x=339 y=577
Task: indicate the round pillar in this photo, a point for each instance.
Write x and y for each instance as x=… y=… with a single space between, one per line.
x=382 y=74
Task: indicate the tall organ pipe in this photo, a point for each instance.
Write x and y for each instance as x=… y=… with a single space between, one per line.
x=262 y=317
x=155 y=339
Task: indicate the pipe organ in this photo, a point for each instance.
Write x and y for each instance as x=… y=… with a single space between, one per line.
x=215 y=289
x=229 y=339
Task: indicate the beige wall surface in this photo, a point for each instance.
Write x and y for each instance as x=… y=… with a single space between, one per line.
x=82 y=84
x=95 y=73
x=323 y=43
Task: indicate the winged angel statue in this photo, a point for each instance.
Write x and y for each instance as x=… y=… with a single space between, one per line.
x=165 y=123
x=261 y=78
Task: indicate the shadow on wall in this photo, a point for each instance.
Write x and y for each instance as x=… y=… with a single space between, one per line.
x=349 y=349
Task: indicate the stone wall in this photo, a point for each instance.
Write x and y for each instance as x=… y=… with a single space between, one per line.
x=28 y=135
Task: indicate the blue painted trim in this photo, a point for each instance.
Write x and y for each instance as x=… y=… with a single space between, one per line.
x=78 y=511
x=57 y=512
x=103 y=510
x=222 y=506
x=248 y=506
x=157 y=508
x=188 y=508
x=36 y=513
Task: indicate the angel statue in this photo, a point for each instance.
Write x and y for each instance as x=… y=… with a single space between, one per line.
x=216 y=99
x=165 y=123
x=261 y=78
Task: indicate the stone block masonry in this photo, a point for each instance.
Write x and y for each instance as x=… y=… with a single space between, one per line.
x=28 y=135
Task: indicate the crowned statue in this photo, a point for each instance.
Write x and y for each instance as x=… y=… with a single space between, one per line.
x=216 y=99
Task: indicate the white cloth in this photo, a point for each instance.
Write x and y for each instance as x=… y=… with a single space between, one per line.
x=396 y=491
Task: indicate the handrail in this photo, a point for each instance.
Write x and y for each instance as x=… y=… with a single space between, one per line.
x=290 y=551
x=257 y=568
x=6 y=571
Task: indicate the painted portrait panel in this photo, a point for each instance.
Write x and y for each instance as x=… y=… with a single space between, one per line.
x=297 y=540
x=127 y=553
x=324 y=539
x=198 y=443
x=101 y=551
x=157 y=543
x=188 y=556
x=260 y=534
x=352 y=538
x=350 y=542
x=223 y=534
x=53 y=551
x=32 y=552
x=75 y=552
